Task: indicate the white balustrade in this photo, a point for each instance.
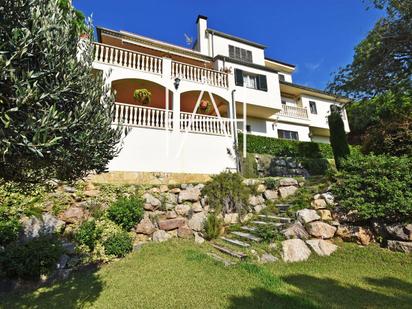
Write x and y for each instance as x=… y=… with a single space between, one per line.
x=294 y=112
x=127 y=58
x=199 y=74
x=141 y=116
x=205 y=124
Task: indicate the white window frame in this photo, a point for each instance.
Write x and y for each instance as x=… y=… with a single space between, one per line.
x=250 y=80
x=289 y=135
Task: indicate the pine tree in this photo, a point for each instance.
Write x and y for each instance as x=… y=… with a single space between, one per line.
x=338 y=138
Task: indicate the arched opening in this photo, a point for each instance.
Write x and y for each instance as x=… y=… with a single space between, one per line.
x=124 y=93
x=188 y=103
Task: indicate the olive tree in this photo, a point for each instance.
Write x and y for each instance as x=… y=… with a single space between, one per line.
x=55 y=111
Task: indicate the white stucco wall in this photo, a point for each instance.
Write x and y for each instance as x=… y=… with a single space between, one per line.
x=152 y=150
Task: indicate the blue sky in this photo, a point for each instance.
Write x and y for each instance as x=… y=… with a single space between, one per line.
x=318 y=36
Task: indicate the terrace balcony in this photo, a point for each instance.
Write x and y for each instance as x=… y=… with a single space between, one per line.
x=294 y=112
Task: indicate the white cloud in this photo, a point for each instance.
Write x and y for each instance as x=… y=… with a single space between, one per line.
x=313 y=66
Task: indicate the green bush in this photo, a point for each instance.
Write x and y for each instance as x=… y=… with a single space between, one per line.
x=377 y=187
x=338 y=139
x=31 y=259
x=315 y=166
x=212 y=226
x=126 y=212
x=285 y=148
x=226 y=192
x=88 y=234
x=9 y=227
x=271 y=183
x=118 y=244
x=249 y=166
x=268 y=233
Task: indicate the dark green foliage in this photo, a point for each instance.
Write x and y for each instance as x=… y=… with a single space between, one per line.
x=88 y=234
x=9 y=227
x=271 y=183
x=377 y=187
x=31 y=259
x=249 y=166
x=212 y=227
x=126 y=212
x=285 y=148
x=226 y=193
x=268 y=233
x=338 y=139
x=55 y=112
x=315 y=166
x=118 y=244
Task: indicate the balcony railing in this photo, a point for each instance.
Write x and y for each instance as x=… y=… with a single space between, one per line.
x=127 y=58
x=294 y=112
x=199 y=74
x=149 y=117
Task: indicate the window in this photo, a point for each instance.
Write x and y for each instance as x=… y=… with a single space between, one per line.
x=248 y=128
x=288 y=135
x=283 y=102
x=312 y=106
x=250 y=80
x=281 y=77
x=240 y=53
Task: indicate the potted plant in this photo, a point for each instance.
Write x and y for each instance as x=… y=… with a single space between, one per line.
x=205 y=106
x=142 y=96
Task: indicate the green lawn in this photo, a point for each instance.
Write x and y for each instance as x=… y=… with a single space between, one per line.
x=179 y=274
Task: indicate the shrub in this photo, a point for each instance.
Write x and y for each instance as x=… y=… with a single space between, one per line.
x=249 y=166
x=118 y=244
x=268 y=232
x=212 y=226
x=31 y=259
x=315 y=166
x=9 y=227
x=126 y=212
x=226 y=192
x=271 y=183
x=376 y=186
x=88 y=234
x=338 y=139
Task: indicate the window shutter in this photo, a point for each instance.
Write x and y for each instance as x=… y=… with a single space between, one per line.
x=262 y=83
x=238 y=77
x=231 y=51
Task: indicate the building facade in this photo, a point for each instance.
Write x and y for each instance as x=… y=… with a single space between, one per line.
x=200 y=97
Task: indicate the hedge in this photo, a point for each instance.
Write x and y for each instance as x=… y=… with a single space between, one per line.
x=287 y=148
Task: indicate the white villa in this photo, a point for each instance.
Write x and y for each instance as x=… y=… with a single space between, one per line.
x=201 y=97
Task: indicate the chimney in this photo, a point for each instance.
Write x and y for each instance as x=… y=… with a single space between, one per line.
x=202 y=38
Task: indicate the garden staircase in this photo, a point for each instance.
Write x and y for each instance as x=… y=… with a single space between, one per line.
x=240 y=241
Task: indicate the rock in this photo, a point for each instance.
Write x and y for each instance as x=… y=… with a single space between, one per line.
x=397 y=232
x=171 y=214
x=73 y=214
x=318 y=204
x=356 y=234
x=259 y=208
x=170 y=198
x=200 y=186
x=196 y=222
x=247 y=217
x=154 y=190
x=199 y=239
x=286 y=182
x=160 y=236
x=62 y=261
x=145 y=227
x=182 y=209
x=329 y=198
x=196 y=207
x=325 y=214
x=184 y=231
x=141 y=238
x=267 y=258
x=400 y=246
x=251 y=182
x=320 y=229
x=31 y=227
x=151 y=200
x=343 y=216
x=322 y=247
x=51 y=224
x=256 y=200
x=408 y=230
x=175 y=190
x=270 y=195
x=74 y=261
x=69 y=248
x=273 y=246
x=69 y=189
x=307 y=215
x=296 y=230
x=190 y=194
x=232 y=218
x=172 y=233
x=294 y=250
x=171 y=224
x=91 y=193
x=260 y=188
x=163 y=188
x=287 y=191
x=317 y=196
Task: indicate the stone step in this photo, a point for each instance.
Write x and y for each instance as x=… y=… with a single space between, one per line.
x=248 y=228
x=218 y=258
x=276 y=224
x=247 y=236
x=235 y=242
x=283 y=207
x=276 y=218
x=238 y=255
